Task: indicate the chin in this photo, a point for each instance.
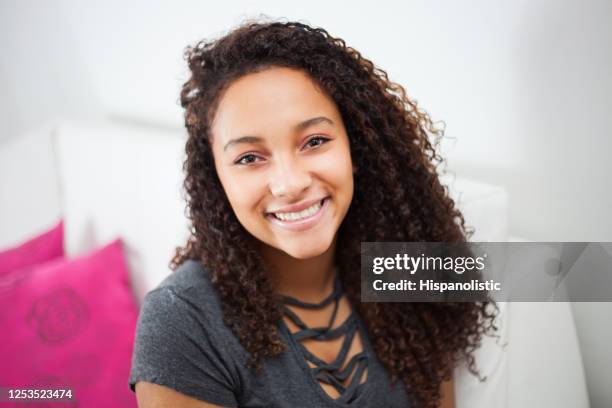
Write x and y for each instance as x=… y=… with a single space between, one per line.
x=305 y=251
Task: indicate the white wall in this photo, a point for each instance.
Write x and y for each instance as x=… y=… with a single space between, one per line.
x=524 y=88
x=42 y=74
x=552 y=117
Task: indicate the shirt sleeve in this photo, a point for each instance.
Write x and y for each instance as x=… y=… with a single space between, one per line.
x=173 y=347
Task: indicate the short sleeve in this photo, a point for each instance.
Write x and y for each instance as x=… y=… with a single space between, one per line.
x=175 y=348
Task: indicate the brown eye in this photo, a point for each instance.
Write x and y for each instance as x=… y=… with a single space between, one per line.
x=246 y=159
x=316 y=141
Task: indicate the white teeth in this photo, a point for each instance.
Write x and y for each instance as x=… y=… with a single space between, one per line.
x=293 y=216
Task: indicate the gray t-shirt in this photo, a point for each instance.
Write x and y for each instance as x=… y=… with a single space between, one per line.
x=183 y=343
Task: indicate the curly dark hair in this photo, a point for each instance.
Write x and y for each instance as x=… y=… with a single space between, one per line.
x=397 y=197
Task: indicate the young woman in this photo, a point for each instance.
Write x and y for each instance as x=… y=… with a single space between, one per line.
x=299 y=149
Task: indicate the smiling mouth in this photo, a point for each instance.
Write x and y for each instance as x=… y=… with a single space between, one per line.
x=299 y=216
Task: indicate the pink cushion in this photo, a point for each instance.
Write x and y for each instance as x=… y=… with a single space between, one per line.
x=72 y=323
x=46 y=246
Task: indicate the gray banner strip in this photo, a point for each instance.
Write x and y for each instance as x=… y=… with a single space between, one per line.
x=478 y=271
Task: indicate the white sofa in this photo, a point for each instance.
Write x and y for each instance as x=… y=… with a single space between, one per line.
x=110 y=179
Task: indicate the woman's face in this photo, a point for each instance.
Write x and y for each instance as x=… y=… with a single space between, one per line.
x=282 y=155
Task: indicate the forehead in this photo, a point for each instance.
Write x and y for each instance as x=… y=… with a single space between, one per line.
x=272 y=99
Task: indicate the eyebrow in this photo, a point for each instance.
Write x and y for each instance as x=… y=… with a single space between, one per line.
x=300 y=126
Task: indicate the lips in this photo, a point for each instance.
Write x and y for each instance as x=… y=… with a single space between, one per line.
x=301 y=223
x=297 y=207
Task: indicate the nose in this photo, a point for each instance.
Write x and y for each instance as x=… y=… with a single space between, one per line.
x=289 y=178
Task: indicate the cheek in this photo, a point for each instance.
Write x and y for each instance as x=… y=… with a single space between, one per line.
x=340 y=170
x=243 y=192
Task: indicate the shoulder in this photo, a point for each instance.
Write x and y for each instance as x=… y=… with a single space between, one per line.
x=187 y=276
x=181 y=341
x=186 y=296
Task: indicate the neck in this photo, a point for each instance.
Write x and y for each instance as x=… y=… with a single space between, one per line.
x=309 y=280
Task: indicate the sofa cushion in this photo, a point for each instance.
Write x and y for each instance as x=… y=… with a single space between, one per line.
x=41 y=248
x=484 y=207
x=72 y=323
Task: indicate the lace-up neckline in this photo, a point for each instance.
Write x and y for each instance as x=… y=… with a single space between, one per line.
x=331 y=373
